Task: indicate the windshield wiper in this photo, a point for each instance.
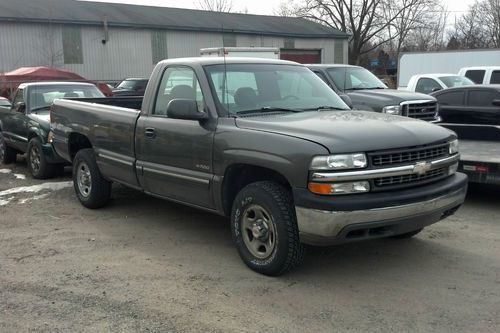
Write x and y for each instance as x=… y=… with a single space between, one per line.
x=326 y=107
x=268 y=109
x=35 y=110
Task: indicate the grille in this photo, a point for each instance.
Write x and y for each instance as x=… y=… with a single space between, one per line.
x=423 y=111
x=410 y=155
x=409 y=179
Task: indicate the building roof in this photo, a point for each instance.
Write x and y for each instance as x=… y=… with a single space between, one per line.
x=125 y=15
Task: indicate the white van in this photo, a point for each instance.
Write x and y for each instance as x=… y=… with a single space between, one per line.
x=482 y=74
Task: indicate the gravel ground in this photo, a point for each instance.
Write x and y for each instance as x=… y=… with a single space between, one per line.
x=146 y=265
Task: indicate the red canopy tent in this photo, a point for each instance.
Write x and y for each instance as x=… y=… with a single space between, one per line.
x=9 y=81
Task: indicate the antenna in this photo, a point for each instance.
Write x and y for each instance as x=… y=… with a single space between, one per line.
x=225 y=92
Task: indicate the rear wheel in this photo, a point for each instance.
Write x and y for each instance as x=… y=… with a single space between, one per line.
x=7 y=154
x=37 y=162
x=91 y=188
x=264 y=228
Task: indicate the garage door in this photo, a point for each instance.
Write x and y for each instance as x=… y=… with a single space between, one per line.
x=301 y=56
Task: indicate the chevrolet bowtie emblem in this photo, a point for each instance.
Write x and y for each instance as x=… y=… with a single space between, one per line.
x=421 y=168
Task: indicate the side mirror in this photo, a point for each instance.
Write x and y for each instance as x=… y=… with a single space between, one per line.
x=19 y=107
x=436 y=89
x=181 y=108
x=496 y=102
x=347 y=100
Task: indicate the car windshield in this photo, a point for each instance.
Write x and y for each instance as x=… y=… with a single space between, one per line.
x=260 y=88
x=354 y=78
x=456 y=81
x=129 y=84
x=41 y=97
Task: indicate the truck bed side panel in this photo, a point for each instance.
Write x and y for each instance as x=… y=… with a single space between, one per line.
x=109 y=129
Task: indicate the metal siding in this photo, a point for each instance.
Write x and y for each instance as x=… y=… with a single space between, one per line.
x=127 y=53
x=188 y=44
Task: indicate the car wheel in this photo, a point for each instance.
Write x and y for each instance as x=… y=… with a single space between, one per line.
x=408 y=234
x=37 y=162
x=92 y=189
x=7 y=154
x=264 y=228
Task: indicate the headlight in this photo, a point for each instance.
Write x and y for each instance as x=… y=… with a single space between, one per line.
x=339 y=162
x=453 y=147
x=339 y=188
x=391 y=109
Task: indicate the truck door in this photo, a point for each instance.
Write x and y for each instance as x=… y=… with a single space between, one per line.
x=16 y=123
x=174 y=156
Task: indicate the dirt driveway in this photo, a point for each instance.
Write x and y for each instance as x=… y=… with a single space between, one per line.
x=146 y=265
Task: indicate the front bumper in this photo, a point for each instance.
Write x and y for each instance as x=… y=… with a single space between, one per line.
x=374 y=215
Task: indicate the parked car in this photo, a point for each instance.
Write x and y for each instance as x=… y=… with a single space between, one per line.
x=476 y=104
x=131 y=87
x=428 y=83
x=268 y=144
x=24 y=127
x=4 y=102
x=368 y=93
x=473 y=112
x=482 y=74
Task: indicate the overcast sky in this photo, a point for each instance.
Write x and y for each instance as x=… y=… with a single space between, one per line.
x=267 y=7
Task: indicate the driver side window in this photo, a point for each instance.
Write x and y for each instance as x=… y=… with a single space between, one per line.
x=426 y=86
x=178 y=82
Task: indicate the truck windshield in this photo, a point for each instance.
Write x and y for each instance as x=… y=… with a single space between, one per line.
x=355 y=78
x=260 y=88
x=456 y=81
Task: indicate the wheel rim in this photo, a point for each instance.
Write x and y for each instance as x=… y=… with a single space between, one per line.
x=259 y=234
x=84 y=179
x=35 y=159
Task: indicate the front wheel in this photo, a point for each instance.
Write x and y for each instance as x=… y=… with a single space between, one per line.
x=37 y=162
x=264 y=228
x=92 y=190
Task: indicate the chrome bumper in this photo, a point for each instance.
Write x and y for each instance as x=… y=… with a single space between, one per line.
x=329 y=224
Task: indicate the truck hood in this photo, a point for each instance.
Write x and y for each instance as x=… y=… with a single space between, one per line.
x=387 y=96
x=43 y=118
x=350 y=131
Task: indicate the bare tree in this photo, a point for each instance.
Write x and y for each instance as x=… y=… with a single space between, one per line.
x=366 y=21
x=416 y=25
x=216 y=5
x=480 y=26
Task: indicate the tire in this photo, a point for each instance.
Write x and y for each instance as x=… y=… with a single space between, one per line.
x=92 y=190
x=7 y=154
x=37 y=162
x=408 y=234
x=264 y=229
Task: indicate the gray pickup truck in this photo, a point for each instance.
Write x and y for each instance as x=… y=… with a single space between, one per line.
x=368 y=93
x=268 y=144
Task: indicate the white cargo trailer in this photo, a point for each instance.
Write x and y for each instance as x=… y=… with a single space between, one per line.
x=413 y=63
x=254 y=52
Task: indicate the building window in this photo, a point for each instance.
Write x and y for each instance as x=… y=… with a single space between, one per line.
x=228 y=40
x=72 y=45
x=289 y=43
x=338 y=51
x=159 y=45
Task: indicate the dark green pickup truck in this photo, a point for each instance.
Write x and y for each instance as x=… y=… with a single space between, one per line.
x=270 y=145
x=24 y=126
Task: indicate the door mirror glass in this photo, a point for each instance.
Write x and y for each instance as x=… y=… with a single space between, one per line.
x=181 y=108
x=19 y=107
